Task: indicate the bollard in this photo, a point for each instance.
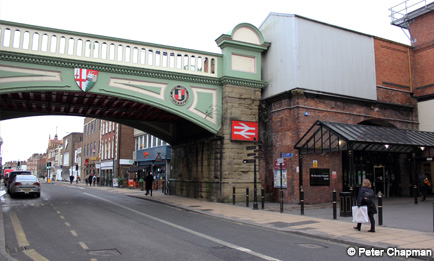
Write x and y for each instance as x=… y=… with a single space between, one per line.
x=302 y=201
x=247 y=197
x=380 y=209
x=415 y=194
x=262 y=198
x=334 y=203
x=233 y=195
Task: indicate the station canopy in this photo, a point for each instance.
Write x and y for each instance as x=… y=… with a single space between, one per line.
x=326 y=136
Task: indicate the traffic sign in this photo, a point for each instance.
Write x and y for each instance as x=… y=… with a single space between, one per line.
x=249 y=161
x=244 y=130
x=277 y=164
x=286 y=155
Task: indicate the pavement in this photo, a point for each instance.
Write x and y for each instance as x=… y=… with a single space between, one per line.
x=406 y=226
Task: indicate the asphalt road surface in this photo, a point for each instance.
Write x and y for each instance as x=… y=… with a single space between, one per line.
x=81 y=223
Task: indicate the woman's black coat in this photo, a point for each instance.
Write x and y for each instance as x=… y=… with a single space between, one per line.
x=372 y=209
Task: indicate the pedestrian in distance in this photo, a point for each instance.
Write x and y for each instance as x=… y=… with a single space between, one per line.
x=148 y=183
x=71 y=179
x=90 y=180
x=366 y=197
x=94 y=180
x=423 y=184
x=141 y=183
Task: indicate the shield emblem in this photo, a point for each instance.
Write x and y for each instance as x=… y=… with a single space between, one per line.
x=179 y=95
x=85 y=78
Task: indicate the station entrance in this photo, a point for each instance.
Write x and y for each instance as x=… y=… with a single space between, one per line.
x=386 y=171
x=389 y=157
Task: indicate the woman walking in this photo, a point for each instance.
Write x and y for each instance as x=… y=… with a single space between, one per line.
x=366 y=197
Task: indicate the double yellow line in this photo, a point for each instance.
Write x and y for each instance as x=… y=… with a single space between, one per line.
x=22 y=239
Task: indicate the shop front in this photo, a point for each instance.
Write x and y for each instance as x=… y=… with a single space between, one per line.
x=387 y=156
x=155 y=161
x=106 y=177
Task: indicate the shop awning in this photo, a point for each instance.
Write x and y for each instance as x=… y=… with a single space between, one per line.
x=326 y=136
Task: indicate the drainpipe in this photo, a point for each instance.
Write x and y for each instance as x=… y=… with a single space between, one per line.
x=409 y=69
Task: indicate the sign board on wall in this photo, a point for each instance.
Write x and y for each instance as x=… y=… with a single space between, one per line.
x=244 y=130
x=319 y=177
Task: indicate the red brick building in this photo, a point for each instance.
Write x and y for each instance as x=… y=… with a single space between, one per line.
x=327 y=84
x=116 y=153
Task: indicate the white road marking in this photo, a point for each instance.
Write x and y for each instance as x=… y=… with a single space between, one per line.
x=212 y=239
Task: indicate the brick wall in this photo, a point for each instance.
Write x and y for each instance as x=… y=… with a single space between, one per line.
x=422 y=30
x=291 y=117
x=392 y=65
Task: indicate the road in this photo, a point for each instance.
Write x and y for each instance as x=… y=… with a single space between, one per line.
x=80 y=223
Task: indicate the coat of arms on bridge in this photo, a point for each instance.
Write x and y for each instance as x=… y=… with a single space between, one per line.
x=179 y=95
x=85 y=78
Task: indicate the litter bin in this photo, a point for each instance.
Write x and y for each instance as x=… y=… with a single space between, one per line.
x=346 y=204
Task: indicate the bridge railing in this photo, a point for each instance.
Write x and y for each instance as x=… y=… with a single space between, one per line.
x=50 y=42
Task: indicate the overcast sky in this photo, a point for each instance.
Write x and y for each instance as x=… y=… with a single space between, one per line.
x=188 y=24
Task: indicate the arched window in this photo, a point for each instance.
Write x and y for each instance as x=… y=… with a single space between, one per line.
x=53 y=44
x=44 y=44
x=26 y=40
x=17 y=39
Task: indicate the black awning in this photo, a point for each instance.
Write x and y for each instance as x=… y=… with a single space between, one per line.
x=332 y=136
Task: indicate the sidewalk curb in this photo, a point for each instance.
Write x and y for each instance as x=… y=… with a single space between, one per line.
x=296 y=232
x=3 y=254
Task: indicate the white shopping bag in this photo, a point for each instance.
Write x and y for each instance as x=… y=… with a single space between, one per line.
x=360 y=214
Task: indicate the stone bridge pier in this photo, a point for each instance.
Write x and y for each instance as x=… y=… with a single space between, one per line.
x=209 y=168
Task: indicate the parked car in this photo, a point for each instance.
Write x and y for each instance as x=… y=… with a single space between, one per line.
x=12 y=176
x=25 y=185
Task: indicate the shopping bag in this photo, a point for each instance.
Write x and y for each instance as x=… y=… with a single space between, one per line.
x=360 y=214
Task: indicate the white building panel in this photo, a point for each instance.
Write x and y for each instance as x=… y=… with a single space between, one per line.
x=312 y=55
x=426 y=117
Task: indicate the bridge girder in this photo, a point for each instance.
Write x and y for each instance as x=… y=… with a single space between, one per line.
x=158 y=122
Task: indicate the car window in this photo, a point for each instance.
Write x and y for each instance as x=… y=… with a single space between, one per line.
x=22 y=173
x=25 y=178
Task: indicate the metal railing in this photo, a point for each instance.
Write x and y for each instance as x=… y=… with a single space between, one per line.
x=50 y=42
x=399 y=12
